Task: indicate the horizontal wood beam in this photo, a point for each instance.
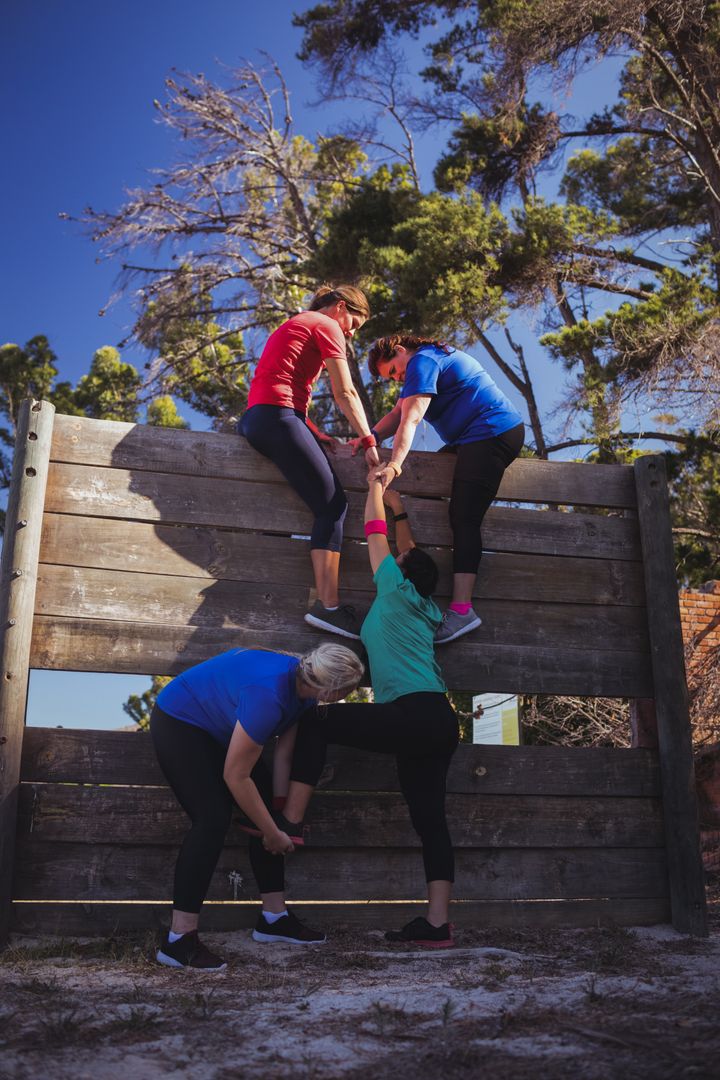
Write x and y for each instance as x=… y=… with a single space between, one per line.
x=69 y=644
x=64 y=813
x=82 y=919
x=120 y=757
x=226 y=456
x=88 y=872
x=210 y=554
x=161 y=599
x=275 y=508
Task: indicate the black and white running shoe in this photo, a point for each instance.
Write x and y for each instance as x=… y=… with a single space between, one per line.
x=188 y=952
x=421 y=932
x=343 y=620
x=288 y=929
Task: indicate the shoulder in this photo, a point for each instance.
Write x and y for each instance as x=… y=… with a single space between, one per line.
x=388 y=574
x=317 y=322
x=427 y=355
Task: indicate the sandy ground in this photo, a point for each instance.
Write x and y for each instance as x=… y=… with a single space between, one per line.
x=598 y=1003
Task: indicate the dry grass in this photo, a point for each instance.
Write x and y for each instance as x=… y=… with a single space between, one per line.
x=594 y=1003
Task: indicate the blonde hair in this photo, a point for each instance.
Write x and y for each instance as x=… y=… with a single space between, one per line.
x=355 y=299
x=330 y=668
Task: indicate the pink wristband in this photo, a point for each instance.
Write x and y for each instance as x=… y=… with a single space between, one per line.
x=376 y=526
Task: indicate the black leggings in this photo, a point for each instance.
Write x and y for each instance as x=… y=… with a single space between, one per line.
x=283 y=436
x=192 y=763
x=478 y=472
x=422 y=731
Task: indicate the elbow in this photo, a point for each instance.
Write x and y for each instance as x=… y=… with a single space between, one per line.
x=234 y=776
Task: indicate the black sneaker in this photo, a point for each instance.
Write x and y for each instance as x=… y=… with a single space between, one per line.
x=343 y=620
x=289 y=929
x=421 y=932
x=188 y=952
x=296 y=830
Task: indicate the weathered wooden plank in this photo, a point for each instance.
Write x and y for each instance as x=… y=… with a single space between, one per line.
x=65 y=813
x=147 y=649
x=687 y=883
x=121 y=872
x=162 y=599
x=226 y=456
x=193 y=551
x=82 y=919
x=246 y=504
x=119 y=757
x=18 y=581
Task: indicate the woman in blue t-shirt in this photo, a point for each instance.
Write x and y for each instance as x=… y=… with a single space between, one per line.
x=208 y=727
x=411 y=717
x=475 y=420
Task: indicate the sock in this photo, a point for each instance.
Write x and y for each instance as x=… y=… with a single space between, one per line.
x=462 y=609
x=331 y=608
x=272 y=917
x=173 y=937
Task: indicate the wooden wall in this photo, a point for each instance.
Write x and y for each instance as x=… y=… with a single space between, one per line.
x=155 y=556
x=160 y=548
x=543 y=836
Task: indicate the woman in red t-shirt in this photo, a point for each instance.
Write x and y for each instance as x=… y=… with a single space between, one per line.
x=276 y=424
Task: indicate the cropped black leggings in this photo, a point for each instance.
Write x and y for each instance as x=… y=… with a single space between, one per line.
x=422 y=731
x=283 y=436
x=478 y=472
x=192 y=763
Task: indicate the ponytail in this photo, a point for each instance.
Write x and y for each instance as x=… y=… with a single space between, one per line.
x=355 y=299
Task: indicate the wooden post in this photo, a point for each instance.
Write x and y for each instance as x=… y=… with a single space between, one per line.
x=18 y=577
x=682 y=834
x=643 y=723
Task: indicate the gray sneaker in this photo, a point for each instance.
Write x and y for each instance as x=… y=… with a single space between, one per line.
x=454 y=625
x=343 y=620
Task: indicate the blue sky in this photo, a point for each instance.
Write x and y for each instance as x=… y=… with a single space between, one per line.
x=81 y=77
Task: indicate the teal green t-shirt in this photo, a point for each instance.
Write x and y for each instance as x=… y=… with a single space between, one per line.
x=398 y=635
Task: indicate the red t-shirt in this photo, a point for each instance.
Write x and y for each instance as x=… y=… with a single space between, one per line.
x=292 y=359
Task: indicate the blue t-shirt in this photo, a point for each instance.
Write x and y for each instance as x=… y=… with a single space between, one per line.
x=247 y=686
x=466 y=404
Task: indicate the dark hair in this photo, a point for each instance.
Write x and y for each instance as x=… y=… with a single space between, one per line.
x=420 y=569
x=355 y=299
x=385 y=347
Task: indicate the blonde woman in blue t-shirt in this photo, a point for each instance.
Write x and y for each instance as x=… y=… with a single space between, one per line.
x=208 y=727
x=411 y=718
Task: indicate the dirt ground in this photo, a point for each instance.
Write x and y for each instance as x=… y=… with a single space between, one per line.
x=510 y=1005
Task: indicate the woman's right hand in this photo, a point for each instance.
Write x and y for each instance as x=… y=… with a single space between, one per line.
x=277 y=843
x=384 y=475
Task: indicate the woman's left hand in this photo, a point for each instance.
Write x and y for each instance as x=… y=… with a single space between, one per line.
x=277 y=843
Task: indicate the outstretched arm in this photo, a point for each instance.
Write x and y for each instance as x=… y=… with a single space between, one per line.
x=412 y=410
x=348 y=401
x=378 y=547
x=403 y=533
x=385 y=427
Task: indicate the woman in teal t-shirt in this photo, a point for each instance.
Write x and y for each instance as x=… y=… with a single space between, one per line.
x=411 y=718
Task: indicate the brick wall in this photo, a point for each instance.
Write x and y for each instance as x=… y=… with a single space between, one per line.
x=700 y=616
